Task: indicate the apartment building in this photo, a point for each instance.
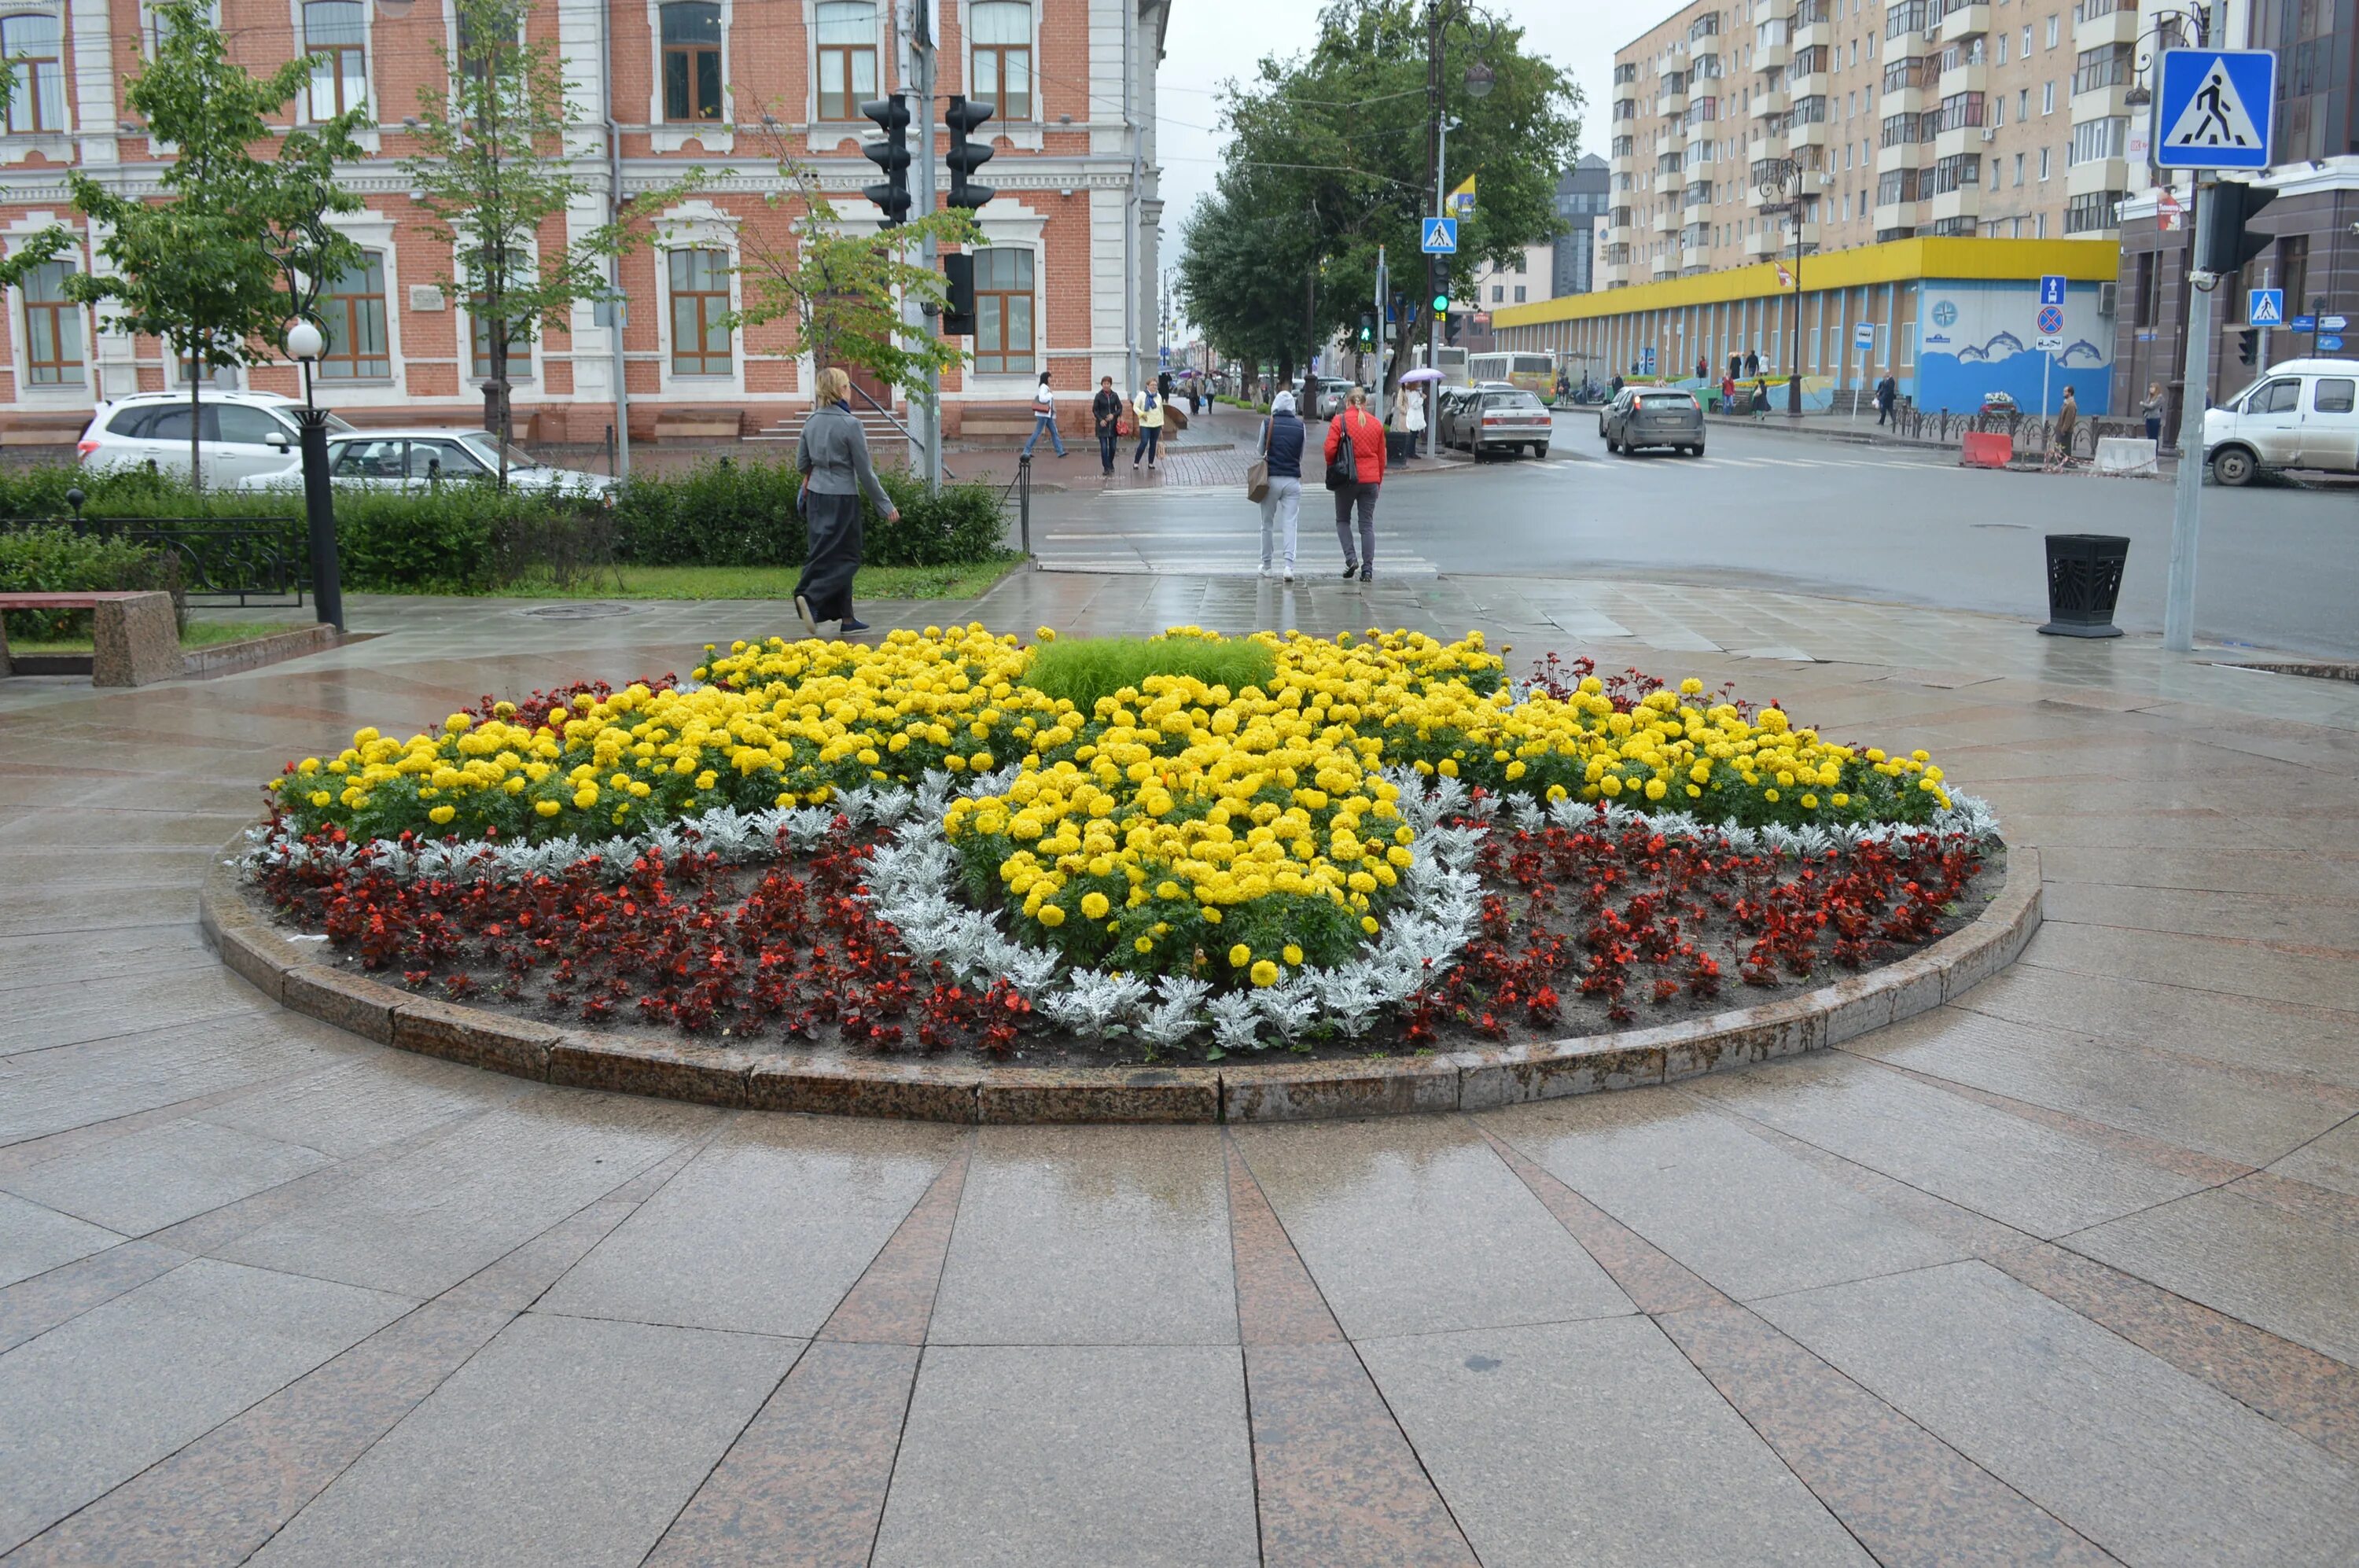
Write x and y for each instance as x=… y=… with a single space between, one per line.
x=2002 y=118
x=1065 y=278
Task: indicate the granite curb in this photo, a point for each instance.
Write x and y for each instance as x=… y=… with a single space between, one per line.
x=289 y=970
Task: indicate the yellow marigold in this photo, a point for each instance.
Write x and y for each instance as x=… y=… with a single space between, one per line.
x=1051 y=916
x=1263 y=973
x=1240 y=955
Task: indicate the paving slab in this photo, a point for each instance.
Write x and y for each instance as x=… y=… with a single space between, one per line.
x=1041 y=1456
x=1595 y=1442
x=99 y=1398
x=36 y=1238
x=2144 y=1460
x=764 y=1231
x=157 y=1176
x=1090 y=1235
x=565 y=1441
x=1409 y=1225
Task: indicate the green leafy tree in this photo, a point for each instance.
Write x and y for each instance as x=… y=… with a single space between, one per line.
x=239 y=244
x=844 y=291
x=491 y=170
x=1249 y=276
x=1331 y=147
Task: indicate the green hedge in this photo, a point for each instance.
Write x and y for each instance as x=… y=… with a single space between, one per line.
x=471 y=538
x=58 y=560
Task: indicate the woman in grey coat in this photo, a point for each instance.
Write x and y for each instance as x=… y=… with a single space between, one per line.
x=834 y=459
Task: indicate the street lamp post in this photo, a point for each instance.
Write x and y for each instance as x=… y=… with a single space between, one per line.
x=1783 y=181
x=305 y=345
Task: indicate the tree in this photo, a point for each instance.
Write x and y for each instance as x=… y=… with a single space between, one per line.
x=240 y=244
x=1248 y=277
x=844 y=291
x=1331 y=148
x=491 y=170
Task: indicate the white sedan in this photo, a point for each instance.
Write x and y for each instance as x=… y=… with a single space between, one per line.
x=421 y=459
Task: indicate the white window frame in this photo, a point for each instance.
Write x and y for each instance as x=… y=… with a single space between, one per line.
x=698 y=225
x=56 y=394
x=828 y=134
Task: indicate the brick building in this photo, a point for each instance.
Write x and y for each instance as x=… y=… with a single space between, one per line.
x=726 y=85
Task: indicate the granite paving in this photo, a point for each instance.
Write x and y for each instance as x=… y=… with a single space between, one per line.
x=2060 y=1272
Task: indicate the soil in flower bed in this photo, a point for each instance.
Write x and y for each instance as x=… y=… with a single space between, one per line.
x=1583 y=933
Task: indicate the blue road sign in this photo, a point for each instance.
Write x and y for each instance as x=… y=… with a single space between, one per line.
x=2303 y=324
x=1863 y=336
x=2052 y=320
x=2051 y=290
x=2329 y=343
x=1440 y=236
x=2264 y=307
x=2333 y=324
x=2212 y=108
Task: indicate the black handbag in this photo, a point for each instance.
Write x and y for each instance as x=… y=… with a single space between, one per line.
x=1344 y=471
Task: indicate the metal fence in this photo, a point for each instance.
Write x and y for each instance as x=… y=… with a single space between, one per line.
x=222 y=560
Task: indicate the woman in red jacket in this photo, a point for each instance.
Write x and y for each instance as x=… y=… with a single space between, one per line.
x=1368 y=466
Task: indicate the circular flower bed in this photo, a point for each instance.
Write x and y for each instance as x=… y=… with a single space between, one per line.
x=954 y=840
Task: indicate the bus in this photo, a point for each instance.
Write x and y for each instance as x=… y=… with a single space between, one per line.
x=1535 y=373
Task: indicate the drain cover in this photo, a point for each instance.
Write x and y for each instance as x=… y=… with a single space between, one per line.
x=590 y=612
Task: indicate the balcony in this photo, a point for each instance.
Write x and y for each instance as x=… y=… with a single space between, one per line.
x=1767 y=245
x=1772 y=56
x=1671 y=101
x=1613 y=275
x=1665 y=221
x=1896 y=215
x=1771 y=103
x=1965 y=201
x=1964 y=139
x=1970 y=78
x=1699 y=133
x=2114 y=25
x=1900 y=155
x=1620 y=233
x=1697 y=195
x=1808 y=134
x=1818 y=84
x=2097 y=174
x=1967 y=21
x=2106 y=102
x=1664 y=266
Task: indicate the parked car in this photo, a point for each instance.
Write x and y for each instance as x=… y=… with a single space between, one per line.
x=1457 y=408
x=2300 y=415
x=1997 y=403
x=239 y=435
x=418 y=459
x=1332 y=391
x=1492 y=418
x=1653 y=416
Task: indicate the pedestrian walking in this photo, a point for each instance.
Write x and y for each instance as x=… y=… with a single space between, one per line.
x=1105 y=409
x=1704 y=370
x=1760 y=398
x=1044 y=418
x=1888 y=392
x=1614 y=388
x=1148 y=407
x=1281 y=503
x=2150 y=409
x=832 y=457
x=1751 y=365
x=1728 y=393
x=1356 y=428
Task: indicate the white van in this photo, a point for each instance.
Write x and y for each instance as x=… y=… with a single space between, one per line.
x=2303 y=414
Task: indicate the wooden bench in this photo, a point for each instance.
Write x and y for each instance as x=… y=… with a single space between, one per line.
x=134 y=636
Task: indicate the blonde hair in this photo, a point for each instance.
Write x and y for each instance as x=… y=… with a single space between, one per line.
x=1357 y=397
x=835 y=386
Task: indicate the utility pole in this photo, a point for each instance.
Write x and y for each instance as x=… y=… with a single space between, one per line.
x=929 y=419
x=1436 y=267
x=2186 y=501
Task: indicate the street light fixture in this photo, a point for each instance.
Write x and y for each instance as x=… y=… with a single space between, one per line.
x=1479 y=80
x=1781 y=180
x=307 y=344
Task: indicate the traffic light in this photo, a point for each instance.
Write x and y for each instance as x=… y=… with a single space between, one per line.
x=1440 y=304
x=892 y=156
x=1450 y=329
x=958 y=309
x=2248 y=345
x=2221 y=245
x=963 y=118
x=1367 y=329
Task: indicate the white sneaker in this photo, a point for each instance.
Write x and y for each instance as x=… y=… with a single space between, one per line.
x=1265 y=573
x=1289 y=574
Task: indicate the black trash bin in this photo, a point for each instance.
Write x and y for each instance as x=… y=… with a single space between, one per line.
x=1401 y=445
x=2084 y=580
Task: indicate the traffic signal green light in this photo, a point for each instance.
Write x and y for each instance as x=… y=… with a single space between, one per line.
x=1441 y=304
x=1367 y=327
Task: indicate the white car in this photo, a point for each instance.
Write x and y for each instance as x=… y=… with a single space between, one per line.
x=2303 y=414
x=420 y=459
x=239 y=435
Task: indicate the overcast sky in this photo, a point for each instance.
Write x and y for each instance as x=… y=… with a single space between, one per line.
x=1212 y=41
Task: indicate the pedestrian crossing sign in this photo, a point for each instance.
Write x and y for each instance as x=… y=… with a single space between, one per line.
x=1440 y=236
x=2213 y=108
x=2265 y=308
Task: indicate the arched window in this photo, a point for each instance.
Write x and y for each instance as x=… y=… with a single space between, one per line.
x=53 y=342
x=1003 y=312
x=700 y=313
x=352 y=315
x=847 y=57
x=333 y=36
x=30 y=43
x=1002 y=33
x=691 y=61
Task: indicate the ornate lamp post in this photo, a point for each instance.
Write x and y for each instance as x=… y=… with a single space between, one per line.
x=1782 y=180
x=305 y=345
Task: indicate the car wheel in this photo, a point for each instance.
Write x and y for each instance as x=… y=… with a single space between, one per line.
x=1610 y=446
x=2233 y=466
x=1540 y=451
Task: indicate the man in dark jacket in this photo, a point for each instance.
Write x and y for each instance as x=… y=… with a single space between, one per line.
x=1752 y=364
x=1106 y=410
x=1886 y=391
x=1281 y=503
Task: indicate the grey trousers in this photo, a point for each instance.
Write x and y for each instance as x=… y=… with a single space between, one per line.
x=1365 y=496
x=1279 y=509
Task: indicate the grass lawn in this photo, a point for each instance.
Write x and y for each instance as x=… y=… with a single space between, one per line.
x=199 y=634
x=965 y=581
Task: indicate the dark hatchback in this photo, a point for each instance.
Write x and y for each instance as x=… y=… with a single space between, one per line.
x=1653 y=416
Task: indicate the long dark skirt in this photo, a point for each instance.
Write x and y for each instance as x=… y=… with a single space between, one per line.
x=834 y=525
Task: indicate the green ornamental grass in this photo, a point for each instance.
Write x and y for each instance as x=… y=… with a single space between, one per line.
x=1085 y=670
